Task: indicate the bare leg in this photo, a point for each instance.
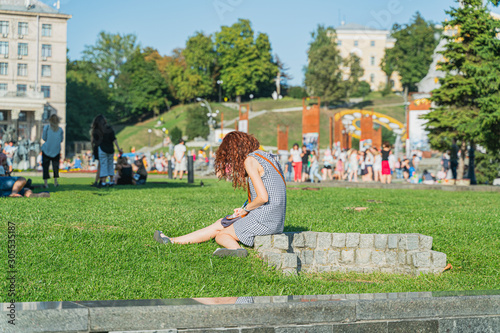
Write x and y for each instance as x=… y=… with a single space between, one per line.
x=227 y=238
x=18 y=185
x=200 y=236
x=389 y=179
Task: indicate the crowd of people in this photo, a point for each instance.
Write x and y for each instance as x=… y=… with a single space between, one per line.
x=352 y=165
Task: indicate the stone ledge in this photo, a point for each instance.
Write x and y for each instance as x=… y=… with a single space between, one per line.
x=404 y=312
x=320 y=252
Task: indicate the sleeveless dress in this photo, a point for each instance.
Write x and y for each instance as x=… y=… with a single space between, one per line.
x=269 y=218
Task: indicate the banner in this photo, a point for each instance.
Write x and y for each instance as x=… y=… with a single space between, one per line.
x=310 y=140
x=418 y=135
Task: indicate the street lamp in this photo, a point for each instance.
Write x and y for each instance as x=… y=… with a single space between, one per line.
x=210 y=115
x=163 y=140
x=251 y=97
x=149 y=131
x=220 y=82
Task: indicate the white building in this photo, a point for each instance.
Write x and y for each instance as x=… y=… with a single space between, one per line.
x=369 y=45
x=32 y=68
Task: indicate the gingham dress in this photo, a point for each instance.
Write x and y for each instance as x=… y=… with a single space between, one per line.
x=269 y=218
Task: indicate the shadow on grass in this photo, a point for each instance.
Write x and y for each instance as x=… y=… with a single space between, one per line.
x=363 y=105
x=293 y=228
x=102 y=191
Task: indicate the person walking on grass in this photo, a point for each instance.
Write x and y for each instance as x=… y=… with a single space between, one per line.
x=296 y=163
x=239 y=159
x=102 y=138
x=52 y=136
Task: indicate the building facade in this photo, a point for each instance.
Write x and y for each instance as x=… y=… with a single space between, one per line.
x=369 y=45
x=33 y=40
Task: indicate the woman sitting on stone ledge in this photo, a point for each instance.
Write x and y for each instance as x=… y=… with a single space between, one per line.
x=239 y=159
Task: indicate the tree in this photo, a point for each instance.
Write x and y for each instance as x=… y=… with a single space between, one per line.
x=323 y=76
x=176 y=134
x=110 y=53
x=469 y=96
x=246 y=64
x=351 y=83
x=86 y=97
x=142 y=90
x=198 y=123
x=411 y=55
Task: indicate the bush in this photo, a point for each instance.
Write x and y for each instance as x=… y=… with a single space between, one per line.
x=175 y=134
x=197 y=125
x=487 y=167
x=363 y=90
x=297 y=92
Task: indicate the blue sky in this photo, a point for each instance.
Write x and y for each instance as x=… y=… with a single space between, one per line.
x=166 y=24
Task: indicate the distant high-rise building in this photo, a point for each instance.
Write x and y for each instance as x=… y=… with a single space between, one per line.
x=369 y=45
x=32 y=68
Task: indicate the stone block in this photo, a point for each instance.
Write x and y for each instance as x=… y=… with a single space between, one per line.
x=262 y=242
x=289 y=260
x=392 y=241
x=338 y=240
x=280 y=242
x=333 y=257
x=370 y=270
x=470 y=325
x=363 y=256
x=307 y=257
x=323 y=268
x=438 y=259
x=298 y=240
x=366 y=241
x=310 y=238
x=381 y=242
x=347 y=256
x=324 y=240
x=387 y=270
x=352 y=240
x=360 y=328
x=338 y=269
x=401 y=258
x=304 y=329
x=378 y=258
x=273 y=259
x=423 y=326
x=412 y=242
x=391 y=258
x=425 y=242
x=402 y=242
x=321 y=257
x=422 y=259
x=355 y=269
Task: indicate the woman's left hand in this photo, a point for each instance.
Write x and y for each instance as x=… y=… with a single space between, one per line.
x=238 y=212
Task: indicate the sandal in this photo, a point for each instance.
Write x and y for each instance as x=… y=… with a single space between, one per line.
x=223 y=252
x=160 y=239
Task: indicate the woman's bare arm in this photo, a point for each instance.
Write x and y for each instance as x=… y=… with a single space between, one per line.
x=252 y=167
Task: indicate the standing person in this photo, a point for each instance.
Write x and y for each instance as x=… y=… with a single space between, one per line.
x=369 y=160
x=454 y=159
x=353 y=165
x=339 y=169
x=445 y=162
x=377 y=164
x=52 y=136
x=328 y=165
x=289 y=169
x=399 y=170
x=239 y=159
x=386 y=168
x=314 y=170
x=180 y=159
x=305 y=162
x=102 y=139
x=296 y=162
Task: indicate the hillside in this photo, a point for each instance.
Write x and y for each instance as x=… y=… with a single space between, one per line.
x=263 y=127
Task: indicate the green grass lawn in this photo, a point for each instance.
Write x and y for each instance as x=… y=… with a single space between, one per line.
x=90 y=244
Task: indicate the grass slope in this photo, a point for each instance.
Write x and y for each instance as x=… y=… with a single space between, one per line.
x=89 y=244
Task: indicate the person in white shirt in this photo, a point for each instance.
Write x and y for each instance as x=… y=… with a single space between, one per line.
x=180 y=159
x=51 y=149
x=296 y=162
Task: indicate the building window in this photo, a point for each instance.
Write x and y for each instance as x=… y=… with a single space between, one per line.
x=46 y=30
x=4 y=28
x=355 y=43
x=22 y=69
x=4 y=67
x=21 y=89
x=22 y=28
x=23 y=116
x=46 y=50
x=3 y=117
x=46 y=71
x=22 y=49
x=46 y=91
x=372 y=43
x=372 y=78
x=4 y=48
x=3 y=86
x=372 y=60
x=339 y=43
x=46 y=112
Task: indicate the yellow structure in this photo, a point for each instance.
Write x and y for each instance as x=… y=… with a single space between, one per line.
x=351 y=118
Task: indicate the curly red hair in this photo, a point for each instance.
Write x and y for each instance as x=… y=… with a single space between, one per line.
x=231 y=155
